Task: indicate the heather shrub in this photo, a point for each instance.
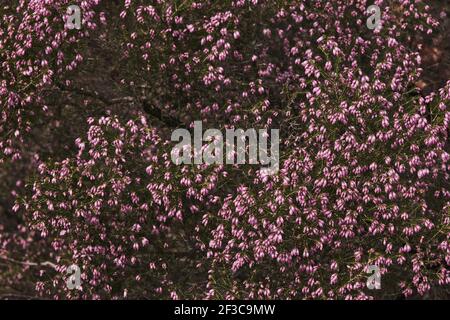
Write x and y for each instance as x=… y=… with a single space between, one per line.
x=364 y=161
x=34 y=48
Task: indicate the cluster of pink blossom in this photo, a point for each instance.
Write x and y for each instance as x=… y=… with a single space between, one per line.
x=35 y=47
x=364 y=166
x=98 y=214
x=114 y=211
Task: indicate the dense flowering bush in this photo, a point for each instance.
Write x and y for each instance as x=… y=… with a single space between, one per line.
x=364 y=167
x=34 y=49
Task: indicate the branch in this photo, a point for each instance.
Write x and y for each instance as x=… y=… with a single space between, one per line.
x=30 y=264
x=147 y=107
